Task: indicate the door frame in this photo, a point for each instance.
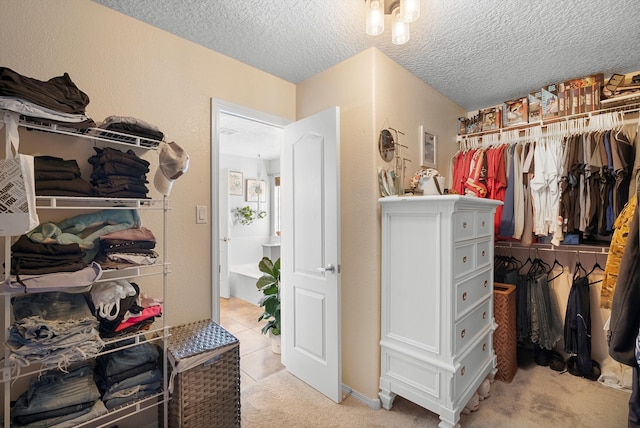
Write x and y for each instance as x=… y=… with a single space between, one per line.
x=218 y=107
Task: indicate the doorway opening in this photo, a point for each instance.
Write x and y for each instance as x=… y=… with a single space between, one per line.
x=245 y=179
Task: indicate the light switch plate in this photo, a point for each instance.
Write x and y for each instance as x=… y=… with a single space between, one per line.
x=201 y=214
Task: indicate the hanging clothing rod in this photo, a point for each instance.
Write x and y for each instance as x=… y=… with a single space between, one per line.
x=576 y=249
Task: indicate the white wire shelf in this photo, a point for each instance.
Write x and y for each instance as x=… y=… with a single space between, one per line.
x=97 y=134
x=75 y=202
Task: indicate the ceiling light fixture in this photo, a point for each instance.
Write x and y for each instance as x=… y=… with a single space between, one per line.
x=402 y=13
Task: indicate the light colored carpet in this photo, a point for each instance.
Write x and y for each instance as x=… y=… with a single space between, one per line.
x=536 y=397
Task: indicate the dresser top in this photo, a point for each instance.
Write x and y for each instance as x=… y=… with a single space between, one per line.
x=462 y=200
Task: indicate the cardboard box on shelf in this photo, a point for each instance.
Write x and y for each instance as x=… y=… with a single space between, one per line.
x=462 y=125
x=535 y=106
x=490 y=119
x=515 y=112
x=549 y=101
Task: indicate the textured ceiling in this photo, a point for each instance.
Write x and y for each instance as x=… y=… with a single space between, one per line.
x=477 y=53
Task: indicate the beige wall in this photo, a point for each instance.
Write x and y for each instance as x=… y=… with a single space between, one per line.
x=129 y=68
x=373 y=93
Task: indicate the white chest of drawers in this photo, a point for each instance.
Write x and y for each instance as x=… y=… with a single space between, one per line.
x=437 y=301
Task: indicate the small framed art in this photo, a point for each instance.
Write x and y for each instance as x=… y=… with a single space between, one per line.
x=235 y=183
x=428 y=147
x=256 y=189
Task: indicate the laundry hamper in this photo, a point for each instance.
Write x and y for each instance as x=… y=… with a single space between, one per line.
x=504 y=338
x=204 y=360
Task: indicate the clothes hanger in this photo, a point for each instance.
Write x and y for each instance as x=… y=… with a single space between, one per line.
x=556 y=263
x=526 y=262
x=593 y=269
x=538 y=265
x=579 y=268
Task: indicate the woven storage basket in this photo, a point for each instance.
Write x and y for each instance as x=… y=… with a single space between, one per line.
x=206 y=389
x=504 y=338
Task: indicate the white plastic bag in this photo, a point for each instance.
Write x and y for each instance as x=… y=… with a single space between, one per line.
x=17 y=186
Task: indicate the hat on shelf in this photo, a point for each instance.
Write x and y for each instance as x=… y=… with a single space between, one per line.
x=174 y=162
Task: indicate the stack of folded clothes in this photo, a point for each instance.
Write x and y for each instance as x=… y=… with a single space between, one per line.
x=85 y=229
x=150 y=134
x=59 y=399
x=58 y=177
x=56 y=101
x=127 y=247
x=55 y=329
x=117 y=174
x=128 y=374
x=32 y=258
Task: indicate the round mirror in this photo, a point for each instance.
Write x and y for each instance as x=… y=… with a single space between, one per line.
x=386 y=145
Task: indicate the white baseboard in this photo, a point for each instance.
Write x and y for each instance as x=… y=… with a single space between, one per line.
x=369 y=402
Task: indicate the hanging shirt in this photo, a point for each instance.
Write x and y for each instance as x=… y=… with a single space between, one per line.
x=539 y=189
x=507 y=222
x=616 y=249
x=518 y=197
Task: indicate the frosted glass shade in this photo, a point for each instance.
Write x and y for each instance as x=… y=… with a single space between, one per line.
x=375 y=17
x=399 y=29
x=410 y=10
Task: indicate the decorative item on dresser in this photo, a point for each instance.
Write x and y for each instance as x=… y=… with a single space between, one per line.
x=437 y=307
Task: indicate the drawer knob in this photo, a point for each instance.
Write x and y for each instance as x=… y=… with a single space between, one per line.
x=482 y=223
x=464 y=259
x=484 y=315
x=462 y=371
x=464 y=225
x=482 y=253
x=462 y=333
x=464 y=296
x=486 y=283
x=484 y=347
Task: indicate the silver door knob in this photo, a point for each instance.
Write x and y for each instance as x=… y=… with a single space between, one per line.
x=330 y=268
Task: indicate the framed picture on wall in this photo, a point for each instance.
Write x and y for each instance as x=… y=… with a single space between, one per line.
x=256 y=189
x=428 y=148
x=235 y=183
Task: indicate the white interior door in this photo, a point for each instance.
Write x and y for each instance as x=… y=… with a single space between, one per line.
x=223 y=218
x=310 y=270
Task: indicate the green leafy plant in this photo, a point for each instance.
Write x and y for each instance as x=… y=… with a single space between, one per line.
x=246 y=215
x=269 y=285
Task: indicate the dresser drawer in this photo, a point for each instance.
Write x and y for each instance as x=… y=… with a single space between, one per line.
x=473 y=362
x=471 y=291
x=464 y=260
x=484 y=224
x=463 y=226
x=468 y=328
x=483 y=254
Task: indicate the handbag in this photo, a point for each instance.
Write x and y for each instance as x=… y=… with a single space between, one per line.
x=17 y=185
x=431 y=182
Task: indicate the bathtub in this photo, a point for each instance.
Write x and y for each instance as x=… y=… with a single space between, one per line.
x=242 y=282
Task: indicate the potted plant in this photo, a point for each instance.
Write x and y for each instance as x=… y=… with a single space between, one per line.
x=269 y=285
x=246 y=215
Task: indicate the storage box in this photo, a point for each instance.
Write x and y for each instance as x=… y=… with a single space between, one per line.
x=505 y=343
x=490 y=119
x=535 y=106
x=204 y=360
x=550 y=101
x=515 y=112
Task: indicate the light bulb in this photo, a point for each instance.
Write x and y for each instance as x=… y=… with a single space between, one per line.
x=375 y=17
x=410 y=10
x=399 y=28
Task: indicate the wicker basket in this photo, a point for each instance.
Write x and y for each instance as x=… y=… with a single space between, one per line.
x=504 y=338
x=205 y=360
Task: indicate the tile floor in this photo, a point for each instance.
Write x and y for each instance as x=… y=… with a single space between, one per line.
x=257 y=361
